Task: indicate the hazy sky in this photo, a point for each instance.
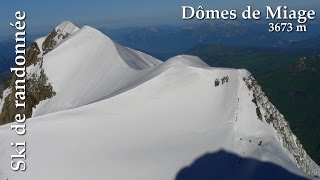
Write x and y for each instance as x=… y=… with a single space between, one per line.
x=115 y=13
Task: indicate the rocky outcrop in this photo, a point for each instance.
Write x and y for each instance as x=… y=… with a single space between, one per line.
x=52 y=40
x=32 y=54
x=37 y=86
x=309 y=63
x=273 y=117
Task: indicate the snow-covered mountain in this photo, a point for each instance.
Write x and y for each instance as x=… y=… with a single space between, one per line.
x=99 y=110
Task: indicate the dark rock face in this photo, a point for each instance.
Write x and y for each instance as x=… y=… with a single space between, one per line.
x=273 y=117
x=37 y=86
x=32 y=54
x=52 y=40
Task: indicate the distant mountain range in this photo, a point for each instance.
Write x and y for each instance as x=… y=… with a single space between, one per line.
x=7 y=54
x=308 y=44
x=172 y=40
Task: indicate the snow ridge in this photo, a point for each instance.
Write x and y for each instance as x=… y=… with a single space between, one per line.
x=66 y=27
x=99 y=68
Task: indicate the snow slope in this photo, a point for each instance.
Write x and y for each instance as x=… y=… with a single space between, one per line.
x=120 y=114
x=97 y=65
x=66 y=27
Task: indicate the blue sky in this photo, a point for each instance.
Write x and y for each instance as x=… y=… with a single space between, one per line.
x=43 y=15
